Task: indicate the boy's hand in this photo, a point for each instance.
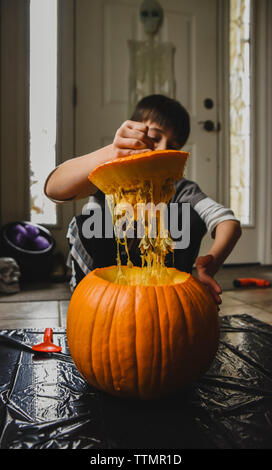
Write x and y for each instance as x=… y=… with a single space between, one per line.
x=205 y=270
x=131 y=138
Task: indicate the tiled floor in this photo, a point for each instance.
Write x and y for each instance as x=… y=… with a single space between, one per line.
x=39 y=305
x=45 y=305
x=256 y=304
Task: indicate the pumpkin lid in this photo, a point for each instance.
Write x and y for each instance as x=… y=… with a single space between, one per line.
x=132 y=170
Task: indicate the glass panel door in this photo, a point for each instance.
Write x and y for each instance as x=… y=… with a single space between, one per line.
x=43 y=105
x=241 y=174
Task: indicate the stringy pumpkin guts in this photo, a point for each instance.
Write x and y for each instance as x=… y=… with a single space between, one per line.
x=137 y=190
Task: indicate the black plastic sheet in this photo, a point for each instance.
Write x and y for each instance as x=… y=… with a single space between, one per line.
x=46 y=404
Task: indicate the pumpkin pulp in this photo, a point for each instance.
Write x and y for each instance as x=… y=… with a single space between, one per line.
x=138 y=189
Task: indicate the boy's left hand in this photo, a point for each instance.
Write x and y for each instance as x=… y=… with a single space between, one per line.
x=205 y=270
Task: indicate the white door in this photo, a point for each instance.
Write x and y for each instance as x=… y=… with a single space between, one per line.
x=103 y=29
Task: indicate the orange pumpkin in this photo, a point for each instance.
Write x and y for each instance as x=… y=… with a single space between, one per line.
x=141 y=341
x=142 y=332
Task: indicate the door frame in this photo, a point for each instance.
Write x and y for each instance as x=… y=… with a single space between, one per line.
x=14 y=109
x=14 y=152
x=262 y=109
x=65 y=112
x=263 y=106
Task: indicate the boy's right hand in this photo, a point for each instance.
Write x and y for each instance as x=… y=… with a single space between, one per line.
x=131 y=138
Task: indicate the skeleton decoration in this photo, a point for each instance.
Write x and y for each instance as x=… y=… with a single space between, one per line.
x=151 y=15
x=151 y=60
x=9 y=276
x=151 y=70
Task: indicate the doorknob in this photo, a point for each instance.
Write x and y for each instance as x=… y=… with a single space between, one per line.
x=209 y=126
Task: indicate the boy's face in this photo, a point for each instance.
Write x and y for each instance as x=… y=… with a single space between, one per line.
x=164 y=139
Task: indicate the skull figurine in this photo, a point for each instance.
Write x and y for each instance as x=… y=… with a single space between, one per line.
x=151 y=15
x=9 y=276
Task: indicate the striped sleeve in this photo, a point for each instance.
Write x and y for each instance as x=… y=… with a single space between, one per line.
x=213 y=213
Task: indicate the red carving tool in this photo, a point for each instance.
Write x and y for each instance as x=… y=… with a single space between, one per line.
x=47 y=345
x=251 y=281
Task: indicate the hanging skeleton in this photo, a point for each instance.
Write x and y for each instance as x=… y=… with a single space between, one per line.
x=151 y=61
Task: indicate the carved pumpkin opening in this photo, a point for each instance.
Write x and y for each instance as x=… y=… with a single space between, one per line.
x=136 y=276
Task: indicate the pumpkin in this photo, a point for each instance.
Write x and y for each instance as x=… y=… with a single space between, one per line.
x=147 y=331
x=160 y=167
x=141 y=341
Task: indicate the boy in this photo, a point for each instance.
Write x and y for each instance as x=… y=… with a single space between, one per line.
x=158 y=123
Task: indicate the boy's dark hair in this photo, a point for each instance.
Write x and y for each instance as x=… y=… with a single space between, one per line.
x=166 y=112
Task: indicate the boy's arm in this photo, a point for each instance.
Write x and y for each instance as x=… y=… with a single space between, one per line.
x=227 y=233
x=70 y=180
x=220 y=222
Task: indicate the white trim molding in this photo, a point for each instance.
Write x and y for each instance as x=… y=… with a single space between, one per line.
x=223 y=101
